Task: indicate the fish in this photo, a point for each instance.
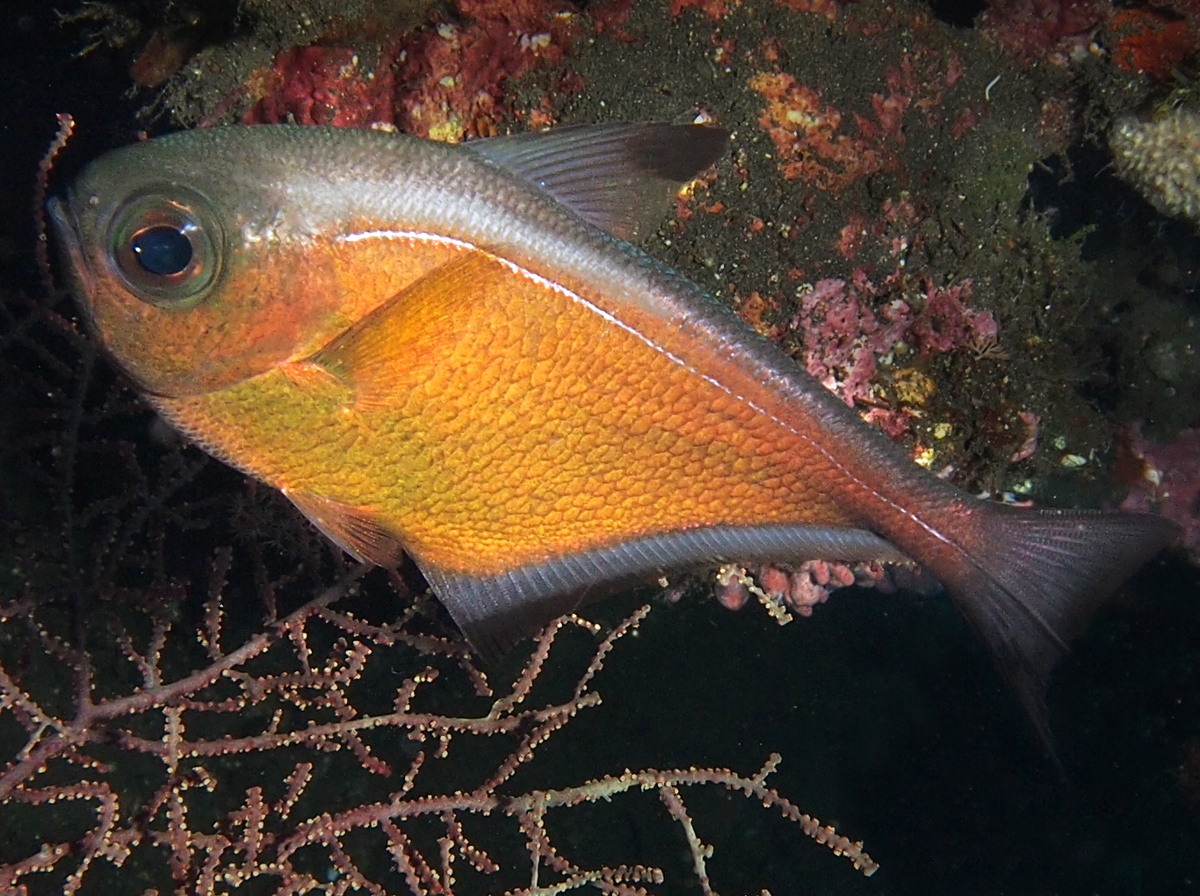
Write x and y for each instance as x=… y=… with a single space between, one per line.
x=455 y=353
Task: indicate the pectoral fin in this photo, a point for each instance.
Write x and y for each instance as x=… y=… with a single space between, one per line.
x=417 y=323
x=317 y=383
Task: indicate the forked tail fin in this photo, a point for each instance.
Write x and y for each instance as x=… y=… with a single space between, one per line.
x=1033 y=579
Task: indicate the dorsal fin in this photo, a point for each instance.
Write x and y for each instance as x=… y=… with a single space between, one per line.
x=615 y=176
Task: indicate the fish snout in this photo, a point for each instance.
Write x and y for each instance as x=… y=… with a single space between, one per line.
x=70 y=252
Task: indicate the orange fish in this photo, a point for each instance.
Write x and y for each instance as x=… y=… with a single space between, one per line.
x=450 y=351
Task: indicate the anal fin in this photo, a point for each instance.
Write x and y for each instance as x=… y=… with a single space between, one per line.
x=496 y=611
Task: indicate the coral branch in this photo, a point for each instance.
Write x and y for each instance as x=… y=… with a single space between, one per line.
x=296 y=690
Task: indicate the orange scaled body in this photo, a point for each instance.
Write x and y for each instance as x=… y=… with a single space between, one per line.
x=495 y=418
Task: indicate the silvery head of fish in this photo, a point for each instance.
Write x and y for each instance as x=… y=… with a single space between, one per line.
x=153 y=233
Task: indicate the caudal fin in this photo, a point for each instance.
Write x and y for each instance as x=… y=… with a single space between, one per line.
x=1034 y=578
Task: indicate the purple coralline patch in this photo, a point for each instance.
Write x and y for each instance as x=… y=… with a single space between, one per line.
x=849 y=324
x=946 y=323
x=843 y=333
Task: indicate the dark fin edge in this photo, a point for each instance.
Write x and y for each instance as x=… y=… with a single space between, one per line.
x=1036 y=579
x=495 y=612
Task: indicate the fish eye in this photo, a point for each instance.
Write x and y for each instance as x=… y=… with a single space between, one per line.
x=166 y=247
x=162 y=251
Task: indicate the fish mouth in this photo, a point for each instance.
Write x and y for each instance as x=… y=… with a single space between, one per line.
x=70 y=248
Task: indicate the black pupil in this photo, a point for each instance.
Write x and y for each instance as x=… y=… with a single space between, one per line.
x=163 y=251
